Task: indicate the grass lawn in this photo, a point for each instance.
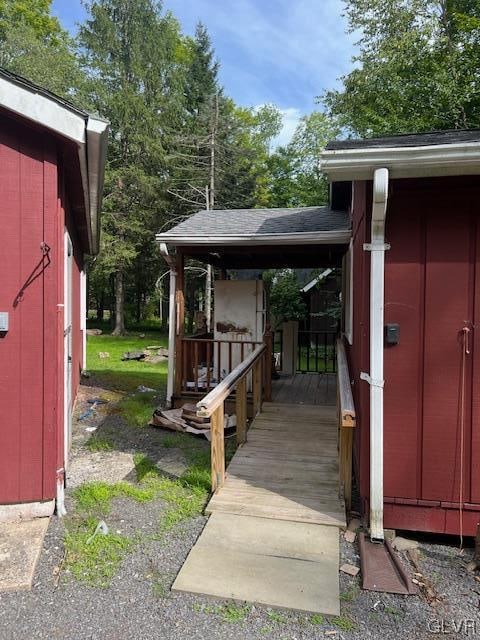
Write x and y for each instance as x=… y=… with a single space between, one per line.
x=125 y=375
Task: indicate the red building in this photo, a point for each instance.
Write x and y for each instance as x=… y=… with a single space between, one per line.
x=412 y=325
x=52 y=159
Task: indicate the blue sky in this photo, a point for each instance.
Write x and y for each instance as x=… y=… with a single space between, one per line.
x=284 y=52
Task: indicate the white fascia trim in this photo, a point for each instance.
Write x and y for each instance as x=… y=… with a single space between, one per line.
x=402 y=162
x=89 y=133
x=320 y=237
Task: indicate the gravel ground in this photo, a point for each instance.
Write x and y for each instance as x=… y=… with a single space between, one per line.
x=139 y=604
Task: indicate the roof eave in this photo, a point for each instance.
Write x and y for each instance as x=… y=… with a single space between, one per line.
x=402 y=162
x=320 y=237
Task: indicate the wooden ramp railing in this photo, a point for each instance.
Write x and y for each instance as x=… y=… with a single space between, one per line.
x=347 y=421
x=213 y=406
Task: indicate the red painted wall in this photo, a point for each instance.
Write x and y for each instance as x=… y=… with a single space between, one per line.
x=31 y=290
x=430 y=275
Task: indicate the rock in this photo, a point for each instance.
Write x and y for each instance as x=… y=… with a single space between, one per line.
x=472 y=566
x=350 y=569
x=155 y=359
x=94 y=332
x=350 y=535
x=103 y=355
x=404 y=544
x=133 y=355
x=354 y=524
x=141 y=335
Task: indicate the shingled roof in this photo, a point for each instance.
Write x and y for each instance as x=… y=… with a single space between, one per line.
x=450 y=136
x=259 y=224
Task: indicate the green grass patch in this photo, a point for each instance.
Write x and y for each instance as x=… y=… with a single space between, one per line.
x=229 y=612
x=344 y=623
x=276 y=617
x=317 y=619
x=98 y=443
x=94 y=561
x=137 y=408
x=126 y=375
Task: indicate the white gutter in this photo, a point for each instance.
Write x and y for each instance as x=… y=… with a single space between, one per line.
x=318 y=237
x=87 y=132
x=171 y=322
x=403 y=162
x=377 y=248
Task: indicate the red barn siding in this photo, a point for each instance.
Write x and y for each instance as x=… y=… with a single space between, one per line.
x=430 y=275
x=31 y=353
x=28 y=188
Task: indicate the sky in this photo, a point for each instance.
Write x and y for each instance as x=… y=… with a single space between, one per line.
x=285 y=52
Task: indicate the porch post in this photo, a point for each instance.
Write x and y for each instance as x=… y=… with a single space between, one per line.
x=180 y=321
x=171 y=335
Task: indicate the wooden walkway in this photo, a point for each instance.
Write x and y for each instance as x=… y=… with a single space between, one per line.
x=272 y=536
x=306 y=388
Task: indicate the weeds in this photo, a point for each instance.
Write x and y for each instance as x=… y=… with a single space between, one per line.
x=137 y=408
x=275 y=616
x=344 y=623
x=98 y=443
x=94 y=561
x=317 y=619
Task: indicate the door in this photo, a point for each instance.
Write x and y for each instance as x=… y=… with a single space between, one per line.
x=67 y=340
x=450 y=301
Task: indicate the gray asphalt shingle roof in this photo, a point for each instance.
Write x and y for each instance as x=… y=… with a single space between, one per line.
x=451 y=136
x=238 y=222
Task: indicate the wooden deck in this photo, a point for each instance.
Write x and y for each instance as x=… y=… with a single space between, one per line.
x=273 y=532
x=318 y=389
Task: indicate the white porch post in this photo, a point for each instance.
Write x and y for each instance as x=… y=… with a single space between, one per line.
x=375 y=378
x=171 y=335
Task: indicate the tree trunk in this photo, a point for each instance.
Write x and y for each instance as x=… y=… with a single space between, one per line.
x=119 y=329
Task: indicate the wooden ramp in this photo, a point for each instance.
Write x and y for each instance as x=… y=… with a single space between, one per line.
x=272 y=536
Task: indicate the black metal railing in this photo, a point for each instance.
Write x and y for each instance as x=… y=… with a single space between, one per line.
x=316 y=352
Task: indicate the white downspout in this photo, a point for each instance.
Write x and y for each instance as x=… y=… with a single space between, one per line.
x=375 y=379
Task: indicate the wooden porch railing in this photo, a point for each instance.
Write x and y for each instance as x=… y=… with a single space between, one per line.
x=212 y=406
x=347 y=421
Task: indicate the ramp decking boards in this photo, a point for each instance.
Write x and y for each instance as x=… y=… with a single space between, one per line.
x=272 y=537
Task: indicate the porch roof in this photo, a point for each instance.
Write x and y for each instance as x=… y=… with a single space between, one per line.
x=244 y=238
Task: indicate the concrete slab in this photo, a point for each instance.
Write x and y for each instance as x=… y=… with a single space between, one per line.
x=291 y=565
x=20 y=546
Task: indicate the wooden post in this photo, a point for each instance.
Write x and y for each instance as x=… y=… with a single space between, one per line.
x=268 y=339
x=346 y=445
x=257 y=387
x=241 y=410
x=180 y=322
x=218 y=448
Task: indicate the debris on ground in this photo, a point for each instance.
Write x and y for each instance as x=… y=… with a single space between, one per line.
x=103 y=355
x=186 y=420
x=354 y=524
x=425 y=585
x=349 y=535
x=101 y=528
x=404 y=544
x=143 y=389
x=350 y=569
x=94 y=332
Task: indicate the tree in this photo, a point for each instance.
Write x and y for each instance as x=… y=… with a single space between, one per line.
x=33 y=45
x=133 y=56
x=418 y=67
x=294 y=176
x=284 y=295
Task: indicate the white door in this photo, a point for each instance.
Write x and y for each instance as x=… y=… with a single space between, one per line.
x=67 y=341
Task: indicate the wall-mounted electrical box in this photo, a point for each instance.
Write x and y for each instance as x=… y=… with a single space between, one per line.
x=3 y=321
x=392 y=333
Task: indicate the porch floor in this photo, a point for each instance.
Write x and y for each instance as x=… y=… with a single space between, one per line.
x=272 y=536
x=306 y=388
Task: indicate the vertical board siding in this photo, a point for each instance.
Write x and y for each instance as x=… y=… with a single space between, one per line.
x=403 y=366
x=475 y=343
x=27 y=437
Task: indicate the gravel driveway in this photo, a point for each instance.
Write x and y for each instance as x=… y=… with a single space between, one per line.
x=139 y=604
